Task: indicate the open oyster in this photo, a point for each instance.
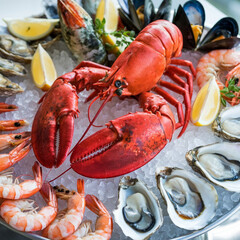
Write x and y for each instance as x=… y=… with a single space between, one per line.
x=227 y=124
x=191 y=201
x=138 y=212
x=8 y=88
x=219 y=162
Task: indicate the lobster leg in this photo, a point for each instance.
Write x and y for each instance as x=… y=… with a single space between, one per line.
x=174 y=73
x=182 y=122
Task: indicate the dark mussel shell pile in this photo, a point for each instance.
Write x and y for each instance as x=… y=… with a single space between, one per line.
x=189 y=18
x=135 y=15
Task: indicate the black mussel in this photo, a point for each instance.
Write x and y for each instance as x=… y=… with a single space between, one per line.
x=164 y=10
x=135 y=15
x=195 y=12
x=182 y=22
x=226 y=43
x=225 y=28
x=190 y=20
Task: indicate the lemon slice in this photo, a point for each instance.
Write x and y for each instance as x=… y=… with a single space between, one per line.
x=107 y=9
x=207 y=104
x=43 y=69
x=31 y=28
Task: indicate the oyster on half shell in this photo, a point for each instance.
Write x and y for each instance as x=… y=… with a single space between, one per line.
x=191 y=201
x=138 y=212
x=227 y=124
x=219 y=162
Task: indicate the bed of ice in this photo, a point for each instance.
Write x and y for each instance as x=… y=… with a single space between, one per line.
x=106 y=190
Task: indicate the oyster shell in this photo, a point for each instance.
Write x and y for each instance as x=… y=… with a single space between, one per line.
x=227 y=124
x=219 y=162
x=9 y=67
x=15 y=48
x=138 y=212
x=8 y=88
x=191 y=201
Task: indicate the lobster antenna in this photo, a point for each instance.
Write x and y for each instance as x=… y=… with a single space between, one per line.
x=60 y=175
x=91 y=123
x=89 y=119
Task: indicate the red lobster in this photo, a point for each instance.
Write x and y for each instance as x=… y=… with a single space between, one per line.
x=124 y=145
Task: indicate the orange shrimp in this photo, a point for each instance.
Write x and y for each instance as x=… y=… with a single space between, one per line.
x=16 y=190
x=17 y=154
x=214 y=63
x=103 y=226
x=11 y=125
x=12 y=139
x=21 y=215
x=83 y=230
x=69 y=219
x=4 y=107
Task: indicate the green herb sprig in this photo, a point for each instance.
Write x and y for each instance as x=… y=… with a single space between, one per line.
x=124 y=37
x=230 y=90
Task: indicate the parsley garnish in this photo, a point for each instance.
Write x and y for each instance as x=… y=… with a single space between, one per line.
x=229 y=91
x=124 y=37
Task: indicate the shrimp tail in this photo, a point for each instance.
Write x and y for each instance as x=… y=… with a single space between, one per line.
x=49 y=195
x=95 y=205
x=37 y=172
x=80 y=186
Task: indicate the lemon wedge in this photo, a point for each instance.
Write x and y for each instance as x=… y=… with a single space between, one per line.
x=30 y=28
x=107 y=9
x=43 y=69
x=207 y=104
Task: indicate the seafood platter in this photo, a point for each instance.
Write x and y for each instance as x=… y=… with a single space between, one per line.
x=138 y=135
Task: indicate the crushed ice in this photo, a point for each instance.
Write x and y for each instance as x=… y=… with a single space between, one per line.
x=106 y=190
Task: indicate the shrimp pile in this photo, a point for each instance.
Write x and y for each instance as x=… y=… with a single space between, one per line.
x=22 y=214
x=213 y=64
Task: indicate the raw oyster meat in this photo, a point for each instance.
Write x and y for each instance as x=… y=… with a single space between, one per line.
x=191 y=201
x=138 y=212
x=219 y=162
x=227 y=124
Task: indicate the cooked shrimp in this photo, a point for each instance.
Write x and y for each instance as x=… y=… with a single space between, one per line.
x=17 y=154
x=10 y=189
x=4 y=107
x=21 y=215
x=214 y=63
x=11 y=125
x=83 y=230
x=103 y=226
x=69 y=219
x=12 y=139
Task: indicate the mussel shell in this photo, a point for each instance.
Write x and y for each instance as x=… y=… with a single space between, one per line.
x=50 y=10
x=126 y=20
x=164 y=10
x=227 y=27
x=196 y=8
x=149 y=12
x=182 y=22
x=226 y=43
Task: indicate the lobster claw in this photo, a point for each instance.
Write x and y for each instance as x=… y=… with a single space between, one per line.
x=57 y=111
x=122 y=147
